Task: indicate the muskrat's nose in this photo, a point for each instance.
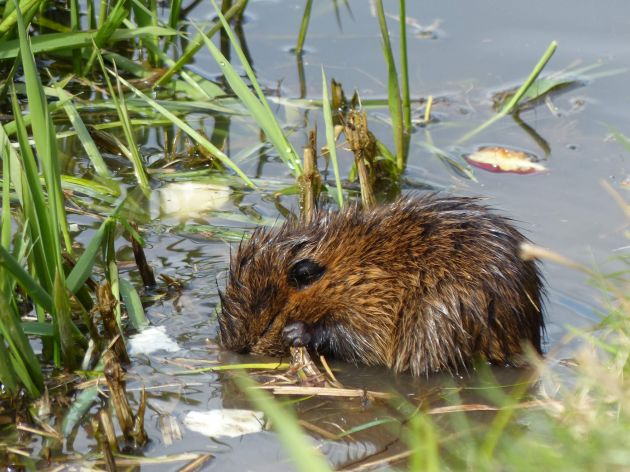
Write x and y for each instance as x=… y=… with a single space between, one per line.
x=296 y=334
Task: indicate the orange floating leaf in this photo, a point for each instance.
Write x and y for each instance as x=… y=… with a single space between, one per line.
x=500 y=159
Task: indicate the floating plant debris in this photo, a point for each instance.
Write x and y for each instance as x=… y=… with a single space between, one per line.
x=225 y=422
x=501 y=159
x=190 y=199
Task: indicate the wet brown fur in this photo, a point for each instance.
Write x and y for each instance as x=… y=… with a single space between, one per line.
x=422 y=285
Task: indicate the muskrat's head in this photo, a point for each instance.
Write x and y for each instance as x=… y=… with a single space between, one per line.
x=310 y=285
x=271 y=277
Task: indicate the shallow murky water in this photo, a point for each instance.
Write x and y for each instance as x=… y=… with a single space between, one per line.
x=472 y=50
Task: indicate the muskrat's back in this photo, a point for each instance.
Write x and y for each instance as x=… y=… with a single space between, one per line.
x=424 y=284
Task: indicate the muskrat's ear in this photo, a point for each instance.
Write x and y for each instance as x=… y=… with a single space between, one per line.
x=305 y=272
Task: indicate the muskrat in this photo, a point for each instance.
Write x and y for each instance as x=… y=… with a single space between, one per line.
x=424 y=284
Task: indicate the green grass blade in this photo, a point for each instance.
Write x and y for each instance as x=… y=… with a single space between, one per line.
x=144 y=16
x=10 y=127
x=24 y=361
x=404 y=68
x=196 y=44
x=5 y=221
x=243 y=60
x=67 y=41
x=30 y=285
x=35 y=207
x=304 y=26
x=260 y=110
x=368 y=425
x=84 y=136
x=511 y=105
x=75 y=25
x=62 y=323
x=7 y=373
x=192 y=84
x=14 y=160
x=621 y=139
x=287 y=147
x=35 y=328
x=121 y=108
x=330 y=138
x=303 y=452
x=113 y=20
x=201 y=140
x=493 y=436
x=8 y=377
x=45 y=141
x=11 y=19
x=173 y=16
x=393 y=90
x=133 y=304
x=424 y=444
x=83 y=268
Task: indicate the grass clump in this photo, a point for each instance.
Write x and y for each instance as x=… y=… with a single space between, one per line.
x=37 y=261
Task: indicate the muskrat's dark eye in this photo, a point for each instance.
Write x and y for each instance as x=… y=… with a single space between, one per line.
x=305 y=272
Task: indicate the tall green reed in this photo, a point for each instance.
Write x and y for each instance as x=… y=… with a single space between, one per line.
x=306 y=18
x=400 y=115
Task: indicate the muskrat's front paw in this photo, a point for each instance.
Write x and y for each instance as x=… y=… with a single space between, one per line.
x=296 y=334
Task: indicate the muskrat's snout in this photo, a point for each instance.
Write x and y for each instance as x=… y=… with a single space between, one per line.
x=296 y=334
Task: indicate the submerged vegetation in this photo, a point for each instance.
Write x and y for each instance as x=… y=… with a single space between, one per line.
x=99 y=78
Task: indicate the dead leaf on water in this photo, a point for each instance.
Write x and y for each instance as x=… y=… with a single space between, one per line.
x=502 y=159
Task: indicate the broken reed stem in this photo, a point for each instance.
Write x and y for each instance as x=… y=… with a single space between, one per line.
x=115 y=379
x=307 y=372
x=107 y=428
x=530 y=252
x=619 y=200
x=196 y=464
x=332 y=379
x=106 y=438
x=138 y=433
x=310 y=180
x=367 y=195
x=338 y=100
x=427 y=110
x=108 y=457
x=363 y=146
x=116 y=384
x=146 y=272
x=106 y=306
x=327 y=392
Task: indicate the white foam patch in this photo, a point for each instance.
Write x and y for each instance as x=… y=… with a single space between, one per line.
x=150 y=340
x=225 y=422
